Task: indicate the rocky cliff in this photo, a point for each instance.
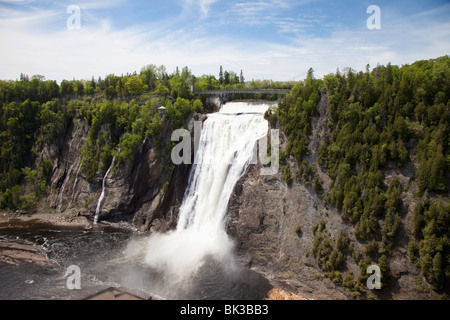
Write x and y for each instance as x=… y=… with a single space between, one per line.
x=273 y=223
x=271 y=220
x=146 y=192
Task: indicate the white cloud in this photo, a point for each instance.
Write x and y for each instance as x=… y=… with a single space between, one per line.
x=17 y=1
x=202 y=5
x=99 y=48
x=10 y=18
x=275 y=14
x=99 y=4
x=253 y=13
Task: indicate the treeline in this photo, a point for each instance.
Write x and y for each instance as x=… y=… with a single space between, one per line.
x=24 y=126
x=150 y=80
x=380 y=118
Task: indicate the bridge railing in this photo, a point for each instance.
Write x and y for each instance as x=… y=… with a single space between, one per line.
x=245 y=91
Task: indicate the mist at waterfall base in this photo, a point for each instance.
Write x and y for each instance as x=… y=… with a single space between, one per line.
x=226 y=147
x=105 y=258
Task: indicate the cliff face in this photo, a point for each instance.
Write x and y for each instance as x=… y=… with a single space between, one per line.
x=143 y=192
x=272 y=225
x=271 y=221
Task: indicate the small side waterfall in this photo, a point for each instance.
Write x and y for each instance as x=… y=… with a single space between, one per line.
x=102 y=195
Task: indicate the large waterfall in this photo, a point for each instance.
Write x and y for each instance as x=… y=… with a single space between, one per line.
x=226 y=147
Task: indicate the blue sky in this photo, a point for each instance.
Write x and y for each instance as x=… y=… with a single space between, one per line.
x=267 y=39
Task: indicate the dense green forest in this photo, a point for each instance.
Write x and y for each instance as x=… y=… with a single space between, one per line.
x=377 y=119
x=380 y=118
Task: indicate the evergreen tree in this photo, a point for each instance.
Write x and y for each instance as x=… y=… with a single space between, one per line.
x=227 y=78
x=93 y=84
x=438 y=271
x=310 y=74
x=241 y=77
x=221 y=76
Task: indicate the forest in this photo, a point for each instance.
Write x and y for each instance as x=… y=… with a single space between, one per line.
x=383 y=117
x=377 y=120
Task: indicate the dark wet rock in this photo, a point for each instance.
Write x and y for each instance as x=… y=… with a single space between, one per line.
x=19 y=252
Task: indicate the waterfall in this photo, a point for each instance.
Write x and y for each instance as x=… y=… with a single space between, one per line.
x=225 y=149
x=102 y=195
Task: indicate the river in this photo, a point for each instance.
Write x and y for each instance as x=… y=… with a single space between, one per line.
x=107 y=257
x=195 y=261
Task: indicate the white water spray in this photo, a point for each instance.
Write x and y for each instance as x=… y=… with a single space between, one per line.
x=102 y=195
x=225 y=149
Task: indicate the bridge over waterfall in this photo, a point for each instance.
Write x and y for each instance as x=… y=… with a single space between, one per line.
x=242 y=91
x=225 y=95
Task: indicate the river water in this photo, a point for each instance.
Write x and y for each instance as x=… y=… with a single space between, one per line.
x=107 y=257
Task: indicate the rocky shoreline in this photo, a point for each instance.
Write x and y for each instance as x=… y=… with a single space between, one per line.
x=19 y=252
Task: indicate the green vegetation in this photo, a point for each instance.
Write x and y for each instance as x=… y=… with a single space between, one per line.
x=379 y=119
x=331 y=254
x=230 y=80
x=431 y=242
x=296 y=112
x=379 y=122
x=119 y=111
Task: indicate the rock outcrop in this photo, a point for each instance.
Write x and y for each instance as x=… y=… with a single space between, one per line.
x=145 y=192
x=19 y=252
x=272 y=224
x=271 y=221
